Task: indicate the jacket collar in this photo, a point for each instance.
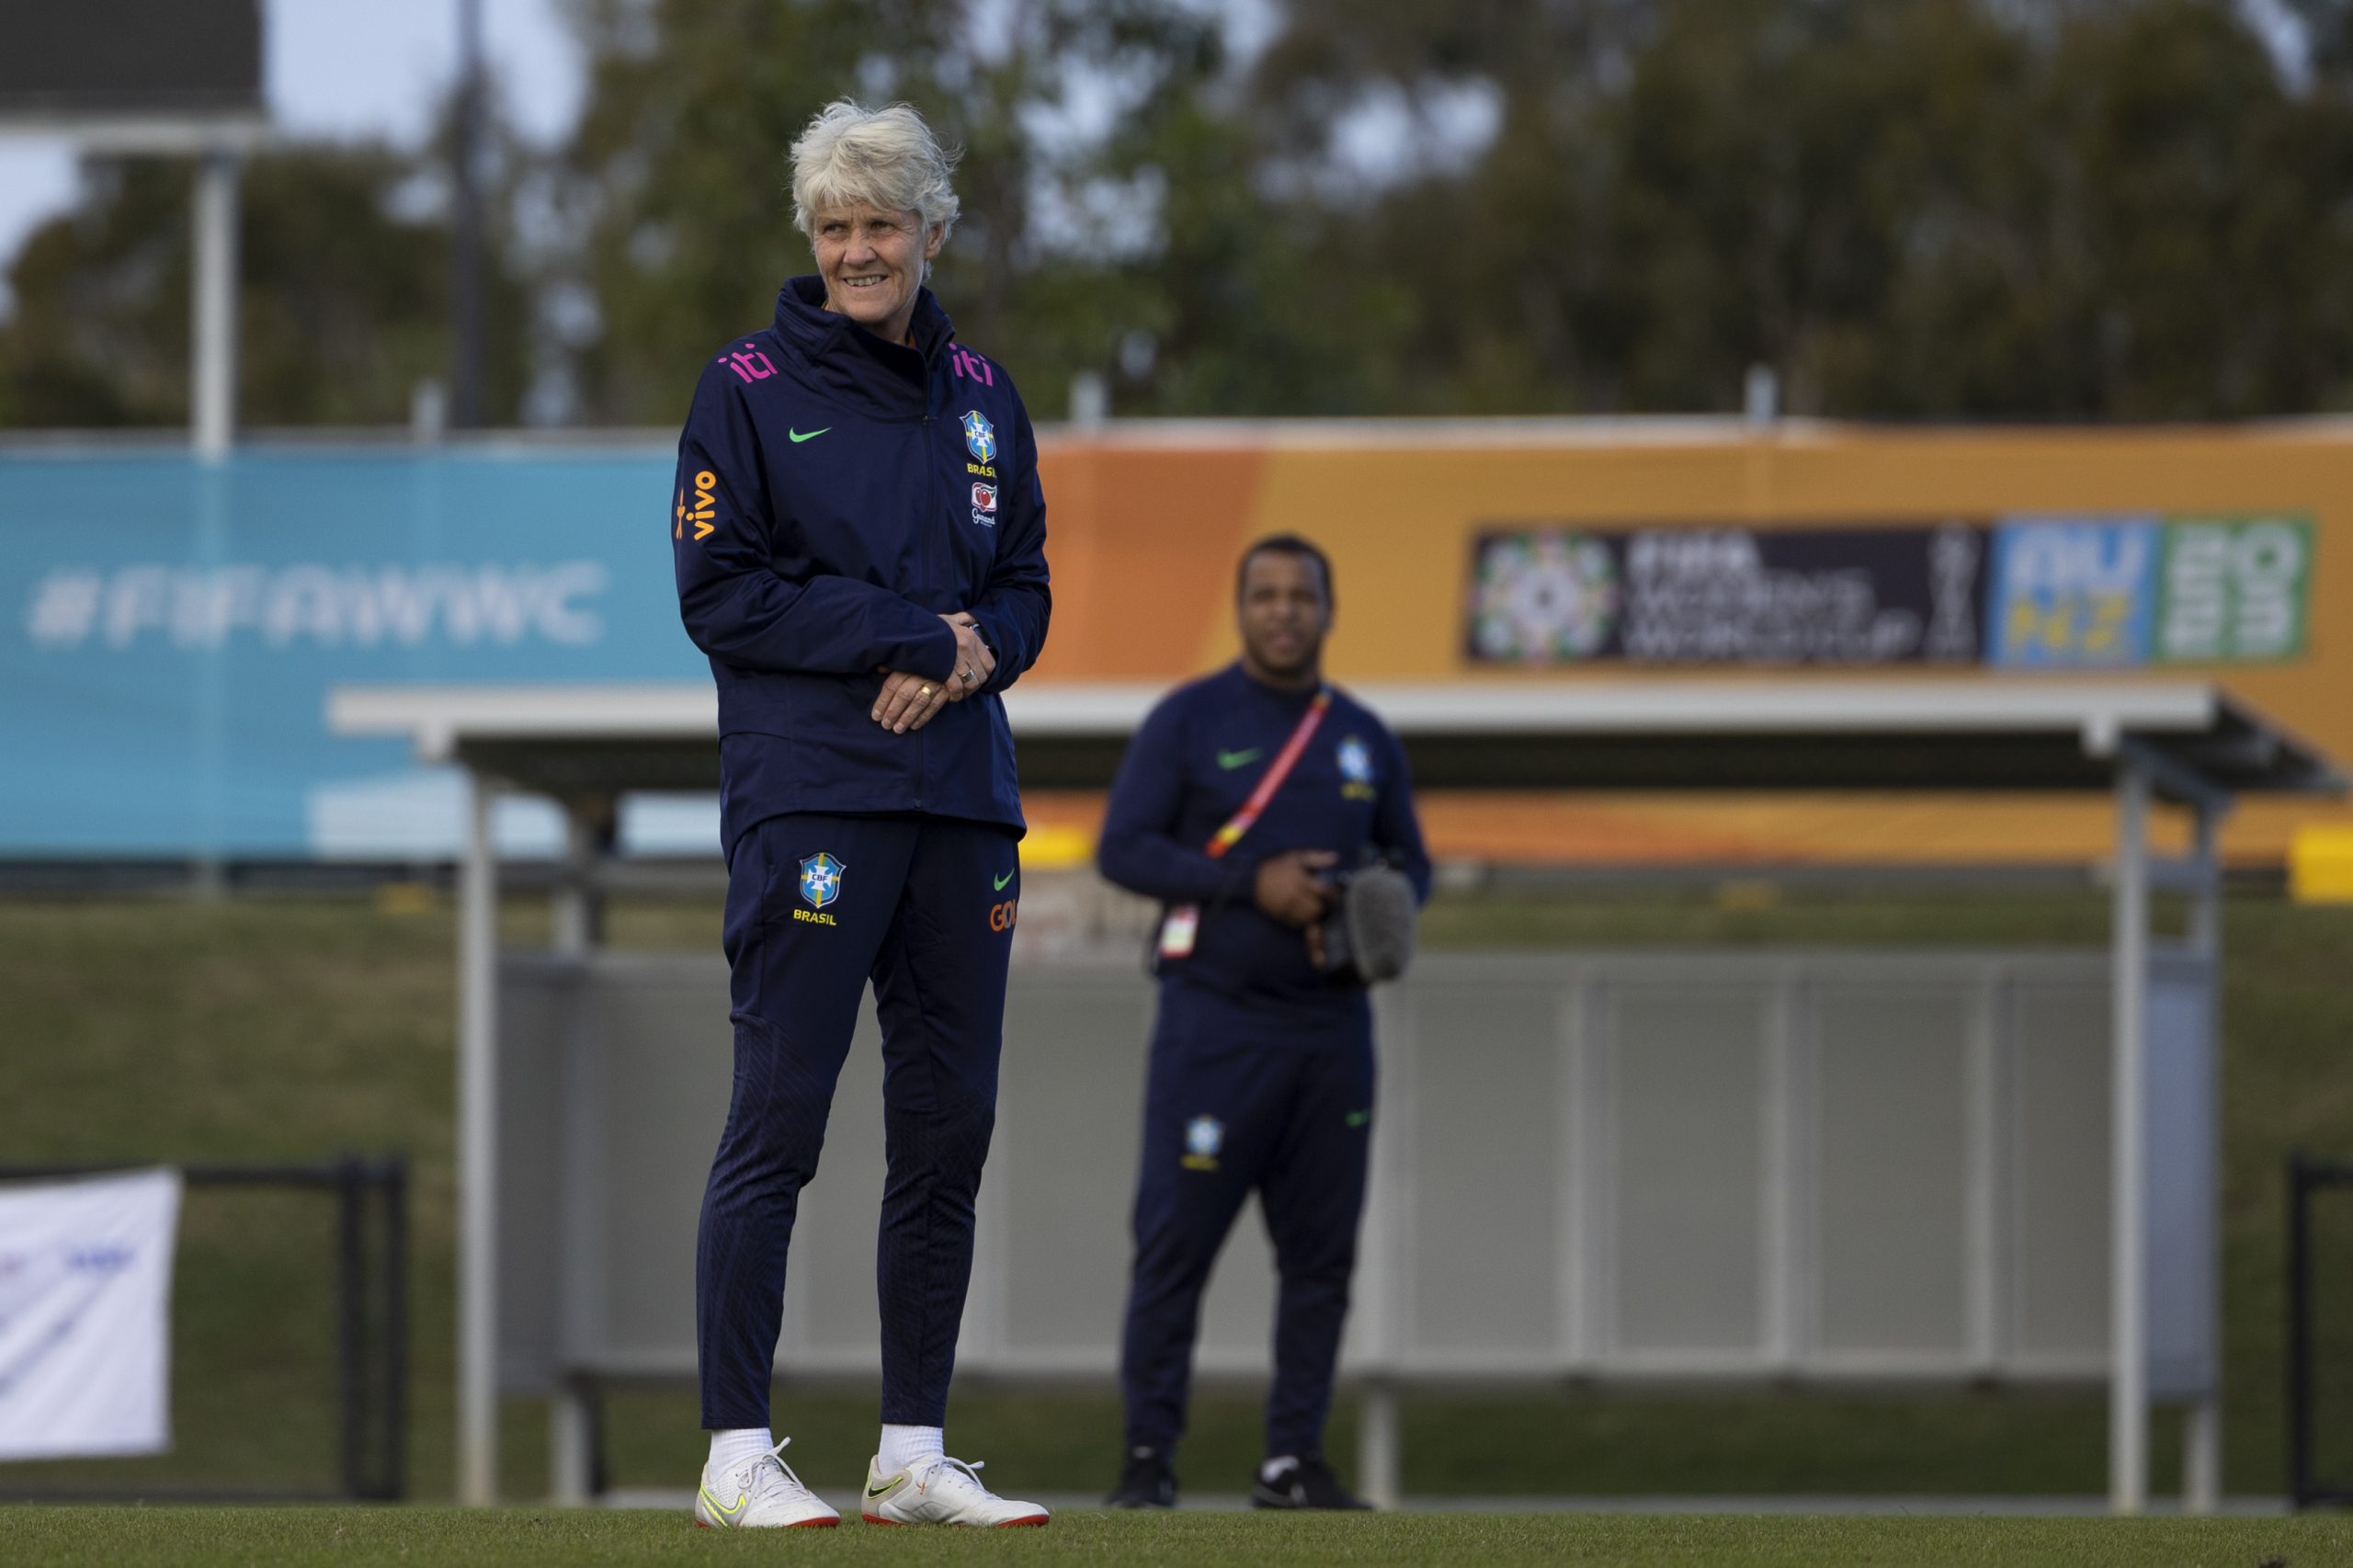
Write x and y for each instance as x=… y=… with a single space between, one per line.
x=831 y=341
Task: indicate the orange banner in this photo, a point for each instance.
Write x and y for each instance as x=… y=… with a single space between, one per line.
x=2210 y=555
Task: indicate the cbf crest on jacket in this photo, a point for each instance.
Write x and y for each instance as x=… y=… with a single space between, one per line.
x=836 y=494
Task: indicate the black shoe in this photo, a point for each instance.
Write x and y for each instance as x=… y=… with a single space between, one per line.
x=1303 y=1483
x=1148 y=1481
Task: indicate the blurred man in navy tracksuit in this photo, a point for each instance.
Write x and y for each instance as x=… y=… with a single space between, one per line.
x=1261 y=1071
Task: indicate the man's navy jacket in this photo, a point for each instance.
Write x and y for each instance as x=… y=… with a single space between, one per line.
x=1191 y=765
x=837 y=496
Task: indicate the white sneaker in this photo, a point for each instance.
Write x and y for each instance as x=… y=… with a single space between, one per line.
x=941 y=1491
x=766 y=1495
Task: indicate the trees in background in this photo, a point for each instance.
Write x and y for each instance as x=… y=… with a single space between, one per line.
x=344 y=301
x=1945 y=209
x=2077 y=210
x=676 y=181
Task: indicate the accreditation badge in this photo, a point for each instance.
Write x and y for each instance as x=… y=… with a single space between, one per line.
x=1177 y=932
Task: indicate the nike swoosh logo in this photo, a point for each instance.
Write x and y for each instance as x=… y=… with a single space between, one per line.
x=877 y=1490
x=727 y=1514
x=1002 y=879
x=1358 y=1117
x=801 y=436
x=1230 y=760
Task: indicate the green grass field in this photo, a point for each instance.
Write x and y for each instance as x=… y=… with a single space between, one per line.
x=281 y=1029
x=515 y=1538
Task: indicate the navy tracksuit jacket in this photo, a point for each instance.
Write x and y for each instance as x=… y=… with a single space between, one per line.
x=835 y=495
x=1261 y=1072
x=858 y=490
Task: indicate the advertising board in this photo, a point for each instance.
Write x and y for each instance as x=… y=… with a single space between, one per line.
x=169 y=630
x=176 y=628
x=2087 y=592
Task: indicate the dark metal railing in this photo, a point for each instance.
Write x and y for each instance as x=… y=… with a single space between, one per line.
x=2306 y=1176
x=371 y=1323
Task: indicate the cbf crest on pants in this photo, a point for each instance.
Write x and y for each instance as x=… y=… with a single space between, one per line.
x=821 y=879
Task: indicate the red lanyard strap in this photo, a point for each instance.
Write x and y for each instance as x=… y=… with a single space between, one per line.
x=1285 y=760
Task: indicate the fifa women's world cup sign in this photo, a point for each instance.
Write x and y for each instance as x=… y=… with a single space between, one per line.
x=2024 y=591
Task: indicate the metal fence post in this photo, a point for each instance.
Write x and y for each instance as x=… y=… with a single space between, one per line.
x=2299 y=1281
x=2128 y=1349
x=2201 y=1459
x=212 y=392
x=351 y=1306
x=395 y=1328
x=477 y=1389
x=1376 y=1443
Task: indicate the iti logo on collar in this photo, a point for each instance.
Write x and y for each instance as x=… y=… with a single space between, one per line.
x=748 y=363
x=979 y=437
x=1204 y=1136
x=820 y=879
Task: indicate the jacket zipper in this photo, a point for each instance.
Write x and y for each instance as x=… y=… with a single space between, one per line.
x=931 y=515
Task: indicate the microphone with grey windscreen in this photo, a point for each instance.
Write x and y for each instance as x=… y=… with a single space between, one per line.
x=1369 y=935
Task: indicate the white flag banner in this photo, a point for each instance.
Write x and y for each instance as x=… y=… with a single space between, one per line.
x=85 y=1299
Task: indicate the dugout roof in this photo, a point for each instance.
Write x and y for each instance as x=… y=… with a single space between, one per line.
x=2196 y=739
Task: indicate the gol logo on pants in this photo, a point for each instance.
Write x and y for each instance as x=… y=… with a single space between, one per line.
x=1001 y=916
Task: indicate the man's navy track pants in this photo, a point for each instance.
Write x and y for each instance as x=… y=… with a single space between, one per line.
x=815 y=905
x=1224 y=1112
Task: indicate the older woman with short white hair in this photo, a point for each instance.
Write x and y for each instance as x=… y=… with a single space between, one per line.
x=859 y=541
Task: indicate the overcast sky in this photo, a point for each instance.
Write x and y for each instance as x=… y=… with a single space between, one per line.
x=377 y=68
x=354 y=69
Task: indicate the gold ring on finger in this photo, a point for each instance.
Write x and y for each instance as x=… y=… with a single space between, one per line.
x=925 y=692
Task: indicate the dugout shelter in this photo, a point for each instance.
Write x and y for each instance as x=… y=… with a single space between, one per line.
x=1813 y=1166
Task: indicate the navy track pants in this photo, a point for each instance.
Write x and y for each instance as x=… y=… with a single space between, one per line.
x=1222 y=1116
x=815 y=905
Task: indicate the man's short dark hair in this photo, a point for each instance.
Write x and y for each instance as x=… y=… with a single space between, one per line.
x=1285 y=544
